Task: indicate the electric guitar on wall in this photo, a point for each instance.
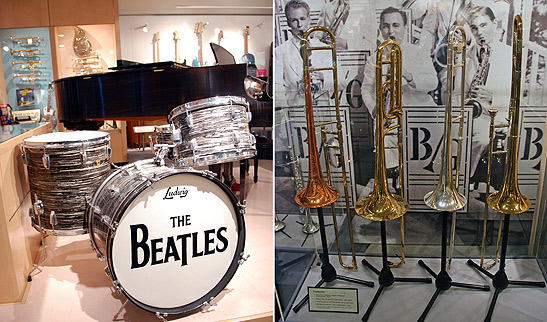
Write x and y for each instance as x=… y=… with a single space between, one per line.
x=156 y=42
x=198 y=61
x=220 y=37
x=248 y=58
x=176 y=38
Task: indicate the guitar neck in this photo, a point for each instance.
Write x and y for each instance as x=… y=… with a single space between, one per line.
x=200 y=51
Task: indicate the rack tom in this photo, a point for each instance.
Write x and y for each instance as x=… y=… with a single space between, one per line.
x=64 y=170
x=213 y=130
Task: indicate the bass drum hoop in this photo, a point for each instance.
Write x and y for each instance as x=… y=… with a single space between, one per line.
x=224 y=280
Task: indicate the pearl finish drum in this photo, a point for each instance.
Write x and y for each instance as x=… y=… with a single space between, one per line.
x=213 y=130
x=172 y=238
x=163 y=143
x=64 y=170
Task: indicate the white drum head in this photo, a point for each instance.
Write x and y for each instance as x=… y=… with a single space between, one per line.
x=177 y=244
x=65 y=137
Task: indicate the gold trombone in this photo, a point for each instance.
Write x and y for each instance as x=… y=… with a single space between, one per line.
x=508 y=200
x=382 y=205
x=446 y=197
x=319 y=193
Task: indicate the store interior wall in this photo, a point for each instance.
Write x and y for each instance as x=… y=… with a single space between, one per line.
x=138 y=46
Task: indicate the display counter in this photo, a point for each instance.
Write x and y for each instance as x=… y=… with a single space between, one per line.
x=15 y=249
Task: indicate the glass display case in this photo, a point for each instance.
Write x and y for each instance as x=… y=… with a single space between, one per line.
x=358 y=27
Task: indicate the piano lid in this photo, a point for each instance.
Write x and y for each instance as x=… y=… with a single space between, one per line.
x=148 y=91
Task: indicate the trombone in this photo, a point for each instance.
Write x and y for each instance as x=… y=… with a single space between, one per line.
x=446 y=197
x=508 y=200
x=382 y=205
x=318 y=193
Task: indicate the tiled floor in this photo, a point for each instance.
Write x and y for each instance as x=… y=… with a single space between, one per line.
x=72 y=285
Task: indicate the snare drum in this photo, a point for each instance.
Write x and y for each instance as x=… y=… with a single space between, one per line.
x=64 y=170
x=172 y=238
x=213 y=130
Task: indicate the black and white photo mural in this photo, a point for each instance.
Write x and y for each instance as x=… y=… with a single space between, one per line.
x=420 y=27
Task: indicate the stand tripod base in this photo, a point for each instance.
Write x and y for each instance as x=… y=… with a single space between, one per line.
x=500 y=282
x=386 y=279
x=443 y=282
x=328 y=274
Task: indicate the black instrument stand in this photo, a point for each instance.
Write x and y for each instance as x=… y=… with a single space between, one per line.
x=328 y=273
x=443 y=281
x=500 y=280
x=385 y=276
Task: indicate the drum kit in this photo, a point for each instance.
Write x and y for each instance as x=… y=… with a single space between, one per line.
x=160 y=225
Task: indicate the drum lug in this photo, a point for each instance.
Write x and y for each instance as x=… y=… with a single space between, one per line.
x=109 y=152
x=161 y=316
x=249 y=117
x=39 y=206
x=190 y=121
x=99 y=255
x=242 y=206
x=83 y=158
x=116 y=284
x=95 y=209
x=24 y=157
x=208 y=304
x=113 y=226
x=235 y=139
x=113 y=192
x=45 y=161
x=210 y=174
x=243 y=258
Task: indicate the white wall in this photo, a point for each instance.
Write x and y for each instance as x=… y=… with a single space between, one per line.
x=137 y=45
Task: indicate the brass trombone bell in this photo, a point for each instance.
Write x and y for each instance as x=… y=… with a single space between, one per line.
x=508 y=199
x=381 y=205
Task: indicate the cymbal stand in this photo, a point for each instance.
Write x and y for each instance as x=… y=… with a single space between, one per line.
x=500 y=280
x=328 y=272
x=443 y=281
x=385 y=276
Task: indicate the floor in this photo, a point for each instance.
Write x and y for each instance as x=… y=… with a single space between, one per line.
x=406 y=301
x=72 y=284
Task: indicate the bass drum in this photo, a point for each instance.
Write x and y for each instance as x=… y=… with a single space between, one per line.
x=172 y=238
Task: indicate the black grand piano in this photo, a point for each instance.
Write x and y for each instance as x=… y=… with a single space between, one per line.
x=151 y=91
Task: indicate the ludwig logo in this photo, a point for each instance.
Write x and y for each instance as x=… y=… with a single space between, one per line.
x=170 y=193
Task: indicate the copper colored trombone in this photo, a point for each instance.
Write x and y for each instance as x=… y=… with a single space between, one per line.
x=318 y=192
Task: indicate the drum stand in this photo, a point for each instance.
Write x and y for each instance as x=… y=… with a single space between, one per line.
x=500 y=280
x=385 y=277
x=328 y=273
x=38 y=209
x=443 y=281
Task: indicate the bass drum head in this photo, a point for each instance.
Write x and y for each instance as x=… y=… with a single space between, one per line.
x=178 y=243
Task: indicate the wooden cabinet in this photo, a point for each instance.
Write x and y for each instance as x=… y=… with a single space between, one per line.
x=19 y=243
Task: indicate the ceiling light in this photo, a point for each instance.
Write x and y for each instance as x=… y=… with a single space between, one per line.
x=144 y=28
